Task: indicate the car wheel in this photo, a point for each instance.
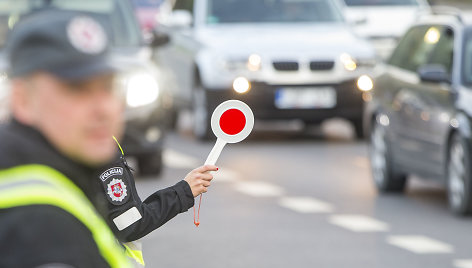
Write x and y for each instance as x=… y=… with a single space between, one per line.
x=386 y=180
x=202 y=115
x=150 y=164
x=459 y=176
x=173 y=117
x=358 y=129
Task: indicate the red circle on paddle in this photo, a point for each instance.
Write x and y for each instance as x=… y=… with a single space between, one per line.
x=232 y=121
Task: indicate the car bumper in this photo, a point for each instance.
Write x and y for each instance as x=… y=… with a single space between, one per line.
x=261 y=99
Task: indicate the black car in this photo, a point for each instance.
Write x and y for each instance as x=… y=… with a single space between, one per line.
x=148 y=93
x=420 y=113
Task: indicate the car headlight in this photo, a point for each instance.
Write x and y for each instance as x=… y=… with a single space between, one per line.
x=141 y=89
x=254 y=62
x=251 y=63
x=348 y=62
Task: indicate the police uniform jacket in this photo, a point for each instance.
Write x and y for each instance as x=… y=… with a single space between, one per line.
x=31 y=236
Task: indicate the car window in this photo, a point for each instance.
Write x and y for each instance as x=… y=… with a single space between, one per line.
x=147 y=3
x=117 y=16
x=416 y=47
x=184 y=5
x=267 y=11
x=380 y=2
x=467 y=58
x=443 y=51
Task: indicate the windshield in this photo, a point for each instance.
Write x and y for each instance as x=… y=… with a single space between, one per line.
x=115 y=15
x=269 y=11
x=381 y=2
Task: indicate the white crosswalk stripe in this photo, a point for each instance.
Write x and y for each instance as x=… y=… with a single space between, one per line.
x=259 y=189
x=305 y=205
x=463 y=263
x=174 y=159
x=359 y=223
x=420 y=244
x=225 y=175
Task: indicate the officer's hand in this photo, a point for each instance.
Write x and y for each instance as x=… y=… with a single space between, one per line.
x=199 y=179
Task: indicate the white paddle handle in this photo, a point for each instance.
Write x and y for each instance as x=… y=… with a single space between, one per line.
x=215 y=152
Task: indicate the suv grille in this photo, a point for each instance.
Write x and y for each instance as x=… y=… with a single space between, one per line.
x=321 y=65
x=285 y=65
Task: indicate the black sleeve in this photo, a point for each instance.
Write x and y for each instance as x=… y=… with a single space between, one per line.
x=39 y=235
x=159 y=208
x=155 y=211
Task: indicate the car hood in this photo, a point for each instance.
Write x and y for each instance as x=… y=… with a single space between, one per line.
x=379 y=22
x=283 y=40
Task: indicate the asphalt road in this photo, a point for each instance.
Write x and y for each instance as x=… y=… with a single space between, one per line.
x=303 y=200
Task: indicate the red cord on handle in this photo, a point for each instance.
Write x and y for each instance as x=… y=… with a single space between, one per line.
x=196 y=221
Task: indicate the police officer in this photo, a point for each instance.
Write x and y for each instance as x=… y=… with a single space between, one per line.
x=55 y=152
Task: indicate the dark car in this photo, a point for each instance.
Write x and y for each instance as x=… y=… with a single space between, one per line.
x=420 y=113
x=148 y=96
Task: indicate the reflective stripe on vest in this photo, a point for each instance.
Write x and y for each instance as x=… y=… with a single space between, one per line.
x=42 y=185
x=135 y=252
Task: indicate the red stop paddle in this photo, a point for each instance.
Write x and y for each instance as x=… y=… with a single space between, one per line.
x=231 y=122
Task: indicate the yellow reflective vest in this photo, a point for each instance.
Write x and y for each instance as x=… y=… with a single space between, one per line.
x=41 y=185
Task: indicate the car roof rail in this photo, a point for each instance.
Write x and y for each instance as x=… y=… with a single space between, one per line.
x=447 y=10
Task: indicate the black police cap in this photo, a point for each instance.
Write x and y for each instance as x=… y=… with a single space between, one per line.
x=68 y=44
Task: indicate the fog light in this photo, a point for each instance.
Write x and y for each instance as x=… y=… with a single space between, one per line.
x=241 y=85
x=153 y=134
x=365 y=83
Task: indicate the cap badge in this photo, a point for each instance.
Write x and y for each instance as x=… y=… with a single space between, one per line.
x=87 y=35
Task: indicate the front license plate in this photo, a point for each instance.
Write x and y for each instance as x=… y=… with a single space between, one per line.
x=305 y=98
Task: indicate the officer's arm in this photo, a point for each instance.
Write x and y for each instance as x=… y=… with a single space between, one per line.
x=155 y=211
x=128 y=216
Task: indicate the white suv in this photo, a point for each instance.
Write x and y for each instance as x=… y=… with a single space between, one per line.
x=287 y=59
x=384 y=21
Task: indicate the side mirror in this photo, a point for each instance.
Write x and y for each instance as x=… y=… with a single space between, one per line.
x=159 y=39
x=434 y=73
x=179 y=19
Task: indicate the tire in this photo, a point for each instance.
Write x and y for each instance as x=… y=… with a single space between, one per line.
x=459 y=176
x=150 y=164
x=359 y=129
x=202 y=115
x=385 y=178
x=172 y=119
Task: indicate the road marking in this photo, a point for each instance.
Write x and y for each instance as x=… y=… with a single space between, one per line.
x=174 y=159
x=463 y=263
x=362 y=162
x=305 y=205
x=259 y=189
x=420 y=244
x=359 y=223
x=225 y=175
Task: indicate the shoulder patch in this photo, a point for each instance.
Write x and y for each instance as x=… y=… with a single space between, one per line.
x=116 y=190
